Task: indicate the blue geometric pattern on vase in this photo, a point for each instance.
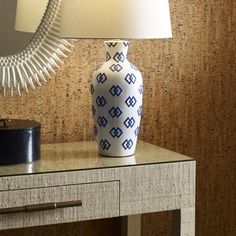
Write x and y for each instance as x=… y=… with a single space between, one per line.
x=116 y=132
x=119 y=57
x=101 y=101
x=131 y=101
x=92 y=89
x=108 y=56
x=95 y=129
x=139 y=111
x=127 y=144
x=140 y=89
x=129 y=122
x=117 y=99
x=115 y=90
x=115 y=112
x=101 y=78
x=136 y=132
x=110 y=44
x=93 y=110
x=102 y=121
x=105 y=144
x=116 y=67
x=130 y=78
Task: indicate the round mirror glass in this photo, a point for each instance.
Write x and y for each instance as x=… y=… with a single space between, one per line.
x=15 y=15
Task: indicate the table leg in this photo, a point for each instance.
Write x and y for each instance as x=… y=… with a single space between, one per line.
x=131 y=225
x=184 y=222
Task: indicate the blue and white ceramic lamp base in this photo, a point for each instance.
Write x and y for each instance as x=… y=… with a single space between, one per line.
x=117 y=91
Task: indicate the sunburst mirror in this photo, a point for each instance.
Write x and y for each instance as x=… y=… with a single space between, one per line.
x=31 y=61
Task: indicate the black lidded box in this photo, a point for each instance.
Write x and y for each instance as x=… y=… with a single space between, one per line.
x=19 y=141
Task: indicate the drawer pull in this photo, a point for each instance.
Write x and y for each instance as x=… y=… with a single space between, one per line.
x=40 y=207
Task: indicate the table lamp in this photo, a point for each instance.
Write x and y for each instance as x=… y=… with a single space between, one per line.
x=29 y=14
x=117 y=86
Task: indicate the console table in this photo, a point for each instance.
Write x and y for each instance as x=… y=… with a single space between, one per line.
x=72 y=183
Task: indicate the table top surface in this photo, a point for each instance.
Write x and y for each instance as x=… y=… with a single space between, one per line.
x=84 y=156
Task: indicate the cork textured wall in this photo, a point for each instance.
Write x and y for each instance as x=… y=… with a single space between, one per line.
x=189 y=107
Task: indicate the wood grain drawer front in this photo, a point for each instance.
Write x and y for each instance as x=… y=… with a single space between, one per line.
x=99 y=200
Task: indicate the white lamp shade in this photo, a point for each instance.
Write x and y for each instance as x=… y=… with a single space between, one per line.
x=29 y=14
x=116 y=19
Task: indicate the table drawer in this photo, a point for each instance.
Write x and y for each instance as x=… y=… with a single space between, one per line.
x=99 y=200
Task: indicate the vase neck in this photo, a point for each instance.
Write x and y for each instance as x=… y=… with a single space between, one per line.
x=116 y=50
